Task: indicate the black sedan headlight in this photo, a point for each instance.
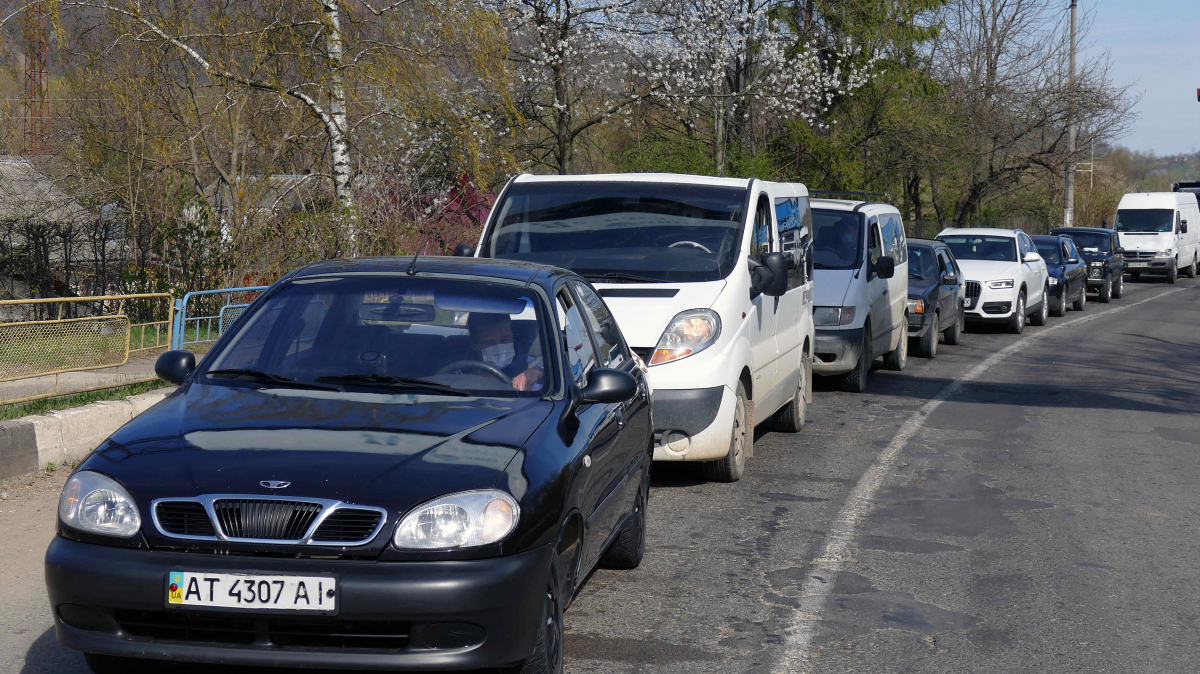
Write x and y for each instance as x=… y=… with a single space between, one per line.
x=97 y=504
x=467 y=519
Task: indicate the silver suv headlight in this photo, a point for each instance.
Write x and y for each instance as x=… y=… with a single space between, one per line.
x=467 y=519
x=96 y=504
x=689 y=333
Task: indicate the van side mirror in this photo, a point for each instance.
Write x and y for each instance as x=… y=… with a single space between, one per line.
x=778 y=265
x=174 y=366
x=884 y=267
x=1183 y=227
x=463 y=250
x=606 y=385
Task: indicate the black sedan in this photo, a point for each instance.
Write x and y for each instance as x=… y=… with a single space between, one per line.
x=1067 y=271
x=935 y=296
x=379 y=466
x=1105 y=259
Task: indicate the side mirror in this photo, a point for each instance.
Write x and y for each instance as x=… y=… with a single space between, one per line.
x=1183 y=227
x=1032 y=256
x=463 y=250
x=174 y=366
x=609 y=386
x=885 y=267
x=1120 y=251
x=778 y=265
x=951 y=279
x=1072 y=260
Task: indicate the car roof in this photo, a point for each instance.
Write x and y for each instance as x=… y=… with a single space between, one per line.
x=851 y=204
x=931 y=243
x=982 y=231
x=636 y=177
x=1048 y=237
x=511 y=270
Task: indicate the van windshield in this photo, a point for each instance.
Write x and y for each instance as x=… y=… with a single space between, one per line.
x=998 y=248
x=1146 y=220
x=622 y=231
x=837 y=239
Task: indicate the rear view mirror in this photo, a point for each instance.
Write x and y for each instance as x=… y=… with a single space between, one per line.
x=606 y=385
x=1032 y=256
x=174 y=366
x=463 y=250
x=884 y=267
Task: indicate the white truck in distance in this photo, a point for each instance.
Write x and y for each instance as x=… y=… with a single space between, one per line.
x=693 y=271
x=1160 y=232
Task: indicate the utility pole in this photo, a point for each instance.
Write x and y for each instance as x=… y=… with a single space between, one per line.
x=1069 y=196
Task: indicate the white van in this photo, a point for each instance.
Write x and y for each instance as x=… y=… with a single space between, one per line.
x=693 y=270
x=861 y=260
x=1160 y=232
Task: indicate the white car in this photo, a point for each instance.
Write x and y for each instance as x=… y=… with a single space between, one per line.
x=1005 y=277
x=695 y=272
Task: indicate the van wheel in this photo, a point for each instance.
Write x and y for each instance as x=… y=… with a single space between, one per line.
x=927 y=344
x=629 y=545
x=897 y=358
x=1191 y=270
x=547 y=655
x=1172 y=274
x=954 y=334
x=1118 y=286
x=729 y=468
x=791 y=417
x=855 y=381
x=1106 y=292
x=1016 y=324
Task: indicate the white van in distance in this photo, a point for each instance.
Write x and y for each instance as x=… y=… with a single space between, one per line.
x=861 y=260
x=1159 y=232
x=693 y=271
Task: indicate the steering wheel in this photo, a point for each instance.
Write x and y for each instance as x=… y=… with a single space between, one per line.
x=693 y=244
x=476 y=365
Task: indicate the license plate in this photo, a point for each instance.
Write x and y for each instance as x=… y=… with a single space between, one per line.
x=1137 y=264
x=971 y=302
x=252 y=591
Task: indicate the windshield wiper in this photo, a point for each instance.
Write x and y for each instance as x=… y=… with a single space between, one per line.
x=388 y=381
x=264 y=377
x=621 y=276
x=916 y=276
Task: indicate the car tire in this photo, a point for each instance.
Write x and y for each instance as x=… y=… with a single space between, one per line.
x=1135 y=276
x=927 y=343
x=1079 y=304
x=791 y=417
x=1118 y=287
x=897 y=358
x=547 y=655
x=954 y=333
x=1106 y=292
x=855 y=381
x=629 y=545
x=1172 y=274
x=730 y=467
x=1191 y=270
x=1043 y=313
x=1016 y=324
x=1060 y=307
x=112 y=664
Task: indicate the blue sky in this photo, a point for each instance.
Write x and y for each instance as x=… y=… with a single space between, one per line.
x=1155 y=45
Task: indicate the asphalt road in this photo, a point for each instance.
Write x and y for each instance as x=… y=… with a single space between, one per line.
x=1018 y=504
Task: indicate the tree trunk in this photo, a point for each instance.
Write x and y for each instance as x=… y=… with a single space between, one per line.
x=914 y=197
x=562 y=124
x=336 y=125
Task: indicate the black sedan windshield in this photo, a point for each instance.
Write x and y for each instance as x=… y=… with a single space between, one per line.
x=1146 y=220
x=1049 y=251
x=1091 y=242
x=418 y=335
x=966 y=247
x=921 y=263
x=627 y=231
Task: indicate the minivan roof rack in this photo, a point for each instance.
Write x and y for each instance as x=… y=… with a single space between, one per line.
x=1186 y=186
x=856 y=196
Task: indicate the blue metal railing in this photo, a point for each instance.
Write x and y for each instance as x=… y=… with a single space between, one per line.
x=207 y=329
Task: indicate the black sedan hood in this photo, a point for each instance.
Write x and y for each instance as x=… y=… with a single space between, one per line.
x=381 y=449
x=919 y=287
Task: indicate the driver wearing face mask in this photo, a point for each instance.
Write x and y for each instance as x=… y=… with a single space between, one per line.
x=492 y=343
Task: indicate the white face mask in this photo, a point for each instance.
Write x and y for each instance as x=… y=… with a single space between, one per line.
x=499 y=355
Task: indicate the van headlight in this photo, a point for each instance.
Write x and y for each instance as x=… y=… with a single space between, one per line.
x=467 y=519
x=1001 y=284
x=1170 y=252
x=832 y=316
x=96 y=504
x=689 y=333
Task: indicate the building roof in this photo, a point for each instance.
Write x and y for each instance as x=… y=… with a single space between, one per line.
x=28 y=194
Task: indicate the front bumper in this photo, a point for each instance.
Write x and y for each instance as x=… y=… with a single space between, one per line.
x=919 y=324
x=440 y=615
x=993 y=304
x=693 y=424
x=837 y=350
x=1158 y=265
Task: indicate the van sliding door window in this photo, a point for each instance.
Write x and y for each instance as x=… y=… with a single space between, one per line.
x=795 y=239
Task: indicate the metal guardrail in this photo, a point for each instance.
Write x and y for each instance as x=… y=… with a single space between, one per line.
x=215 y=318
x=37 y=348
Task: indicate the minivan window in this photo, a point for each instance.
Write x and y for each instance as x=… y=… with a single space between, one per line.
x=1146 y=220
x=795 y=238
x=966 y=247
x=893 y=240
x=622 y=231
x=837 y=239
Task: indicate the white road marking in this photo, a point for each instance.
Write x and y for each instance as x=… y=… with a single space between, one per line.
x=825 y=567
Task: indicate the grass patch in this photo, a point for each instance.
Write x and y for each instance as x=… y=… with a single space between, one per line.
x=17 y=410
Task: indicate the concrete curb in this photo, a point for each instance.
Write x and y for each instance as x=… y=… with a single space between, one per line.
x=29 y=443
